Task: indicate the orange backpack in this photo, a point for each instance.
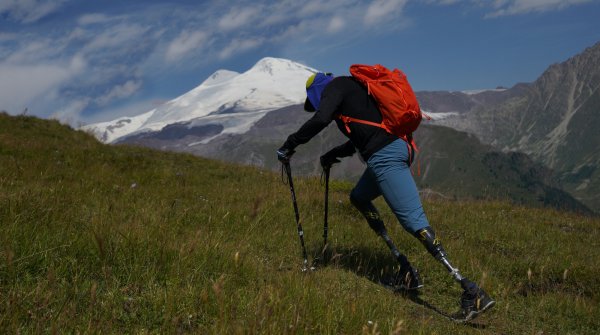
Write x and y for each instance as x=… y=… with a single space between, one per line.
x=395 y=98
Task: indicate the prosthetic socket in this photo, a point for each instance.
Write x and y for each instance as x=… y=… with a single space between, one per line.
x=433 y=245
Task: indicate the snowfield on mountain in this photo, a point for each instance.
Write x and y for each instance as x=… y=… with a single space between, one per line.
x=233 y=100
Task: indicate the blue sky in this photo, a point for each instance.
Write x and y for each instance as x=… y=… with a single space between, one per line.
x=87 y=61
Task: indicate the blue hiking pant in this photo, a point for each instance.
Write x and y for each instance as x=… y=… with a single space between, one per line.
x=388 y=174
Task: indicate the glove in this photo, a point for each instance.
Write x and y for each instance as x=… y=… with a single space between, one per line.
x=328 y=159
x=284 y=154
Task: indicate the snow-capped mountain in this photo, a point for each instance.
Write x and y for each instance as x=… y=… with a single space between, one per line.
x=231 y=101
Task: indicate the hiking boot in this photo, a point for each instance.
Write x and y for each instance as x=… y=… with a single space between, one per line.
x=473 y=304
x=408 y=279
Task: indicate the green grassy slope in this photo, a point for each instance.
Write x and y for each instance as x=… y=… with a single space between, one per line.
x=117 y=239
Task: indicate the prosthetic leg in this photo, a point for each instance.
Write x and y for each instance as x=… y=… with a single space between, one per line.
x=474 y=300
x=408 y=277
x=433 y=245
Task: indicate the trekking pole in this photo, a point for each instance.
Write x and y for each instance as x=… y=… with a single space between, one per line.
x=325 y=223
x=288 y=171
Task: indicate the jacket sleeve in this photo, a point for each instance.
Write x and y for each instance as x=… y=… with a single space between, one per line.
x=344 y=150
x=330 y=101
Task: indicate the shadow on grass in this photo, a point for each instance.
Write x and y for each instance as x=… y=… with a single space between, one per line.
x=380 y=268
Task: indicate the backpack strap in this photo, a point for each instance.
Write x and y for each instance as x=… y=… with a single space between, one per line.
x=410 y=141
x=348 y=119
x=407 y=138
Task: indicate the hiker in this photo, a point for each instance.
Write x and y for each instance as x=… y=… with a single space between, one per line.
x=388 y=159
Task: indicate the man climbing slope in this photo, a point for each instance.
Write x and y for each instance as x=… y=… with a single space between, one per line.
x=388 y=159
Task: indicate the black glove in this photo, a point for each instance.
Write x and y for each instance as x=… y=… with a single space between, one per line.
x=328 y=159
x=284 y=154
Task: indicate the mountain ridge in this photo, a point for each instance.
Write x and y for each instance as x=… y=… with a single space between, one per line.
x=453 y=163
x=554 y=119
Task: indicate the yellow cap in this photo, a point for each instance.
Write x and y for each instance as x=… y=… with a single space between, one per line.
x=310 y=80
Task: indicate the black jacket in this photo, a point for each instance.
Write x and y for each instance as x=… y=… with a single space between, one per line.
x=345 y=95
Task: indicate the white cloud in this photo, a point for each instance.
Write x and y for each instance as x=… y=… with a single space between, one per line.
x=336 y=24
x=185 y=43
x=7 y=36
x=382 y=10
x=128 y=49
x=42 y=69
x=150 y=41
x=115 y=37
x=22 y=84
x=239 y=45
x=29 y=11
x=119 y=92
x=71 y=112
x=448 y=2
x=314 y=8
x=293 y=22
x=516 y=7
x=34 y=51
x=118 y=48
x=93 y=18
x=238 y=17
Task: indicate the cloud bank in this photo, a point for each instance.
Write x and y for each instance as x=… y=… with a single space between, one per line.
x=69 y=64
x=29 y=11
x=519 y=7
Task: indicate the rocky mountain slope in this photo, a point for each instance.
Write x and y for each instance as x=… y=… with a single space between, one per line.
x=555 y=120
